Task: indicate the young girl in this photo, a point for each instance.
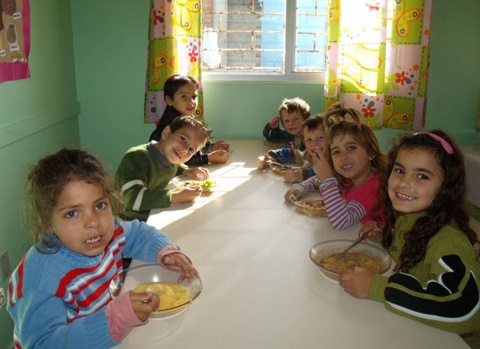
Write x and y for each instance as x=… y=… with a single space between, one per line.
x=59 y=293
x=349 y=169
x=314 y=138
x=427 y=233
x=181 y=96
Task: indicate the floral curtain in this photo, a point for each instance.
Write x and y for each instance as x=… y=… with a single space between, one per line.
x=377 y=59
x=175 y=31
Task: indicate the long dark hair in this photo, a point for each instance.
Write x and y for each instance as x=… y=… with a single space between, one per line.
x=447 y=207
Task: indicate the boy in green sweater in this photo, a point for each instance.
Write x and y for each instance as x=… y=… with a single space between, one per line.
x=146 y=170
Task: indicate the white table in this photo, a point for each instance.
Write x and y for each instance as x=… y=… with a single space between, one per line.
x=260 y=288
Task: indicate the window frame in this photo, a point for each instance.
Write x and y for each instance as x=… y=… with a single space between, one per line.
x=289 y=75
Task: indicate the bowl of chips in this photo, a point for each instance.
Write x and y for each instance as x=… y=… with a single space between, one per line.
x=174 y=297
x=364 y=255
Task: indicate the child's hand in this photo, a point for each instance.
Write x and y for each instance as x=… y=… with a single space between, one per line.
x=143 y=304
x=357 y=284
x=320 y=165
x=179 y=260
x=187 y=194
x=261 y=162
x=221 y=145
x=197 y=173
x=274 y=122
x=294 y=194
x=218 y=156
x=293 y=176
x=372 y=229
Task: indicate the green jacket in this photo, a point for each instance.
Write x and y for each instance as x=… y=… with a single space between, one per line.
x=143 y=176
x=442 y=290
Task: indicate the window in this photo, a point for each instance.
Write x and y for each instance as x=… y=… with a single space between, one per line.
x=264 y=40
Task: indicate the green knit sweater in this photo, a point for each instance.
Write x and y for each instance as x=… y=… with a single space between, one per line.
x=143 y=176
x=442 y=290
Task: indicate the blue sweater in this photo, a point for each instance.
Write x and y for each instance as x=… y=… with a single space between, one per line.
x=58 y=299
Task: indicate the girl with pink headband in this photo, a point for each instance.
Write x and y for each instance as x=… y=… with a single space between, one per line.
x=426 y=230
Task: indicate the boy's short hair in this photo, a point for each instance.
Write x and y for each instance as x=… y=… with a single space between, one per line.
x=294 y=104
x=190 y=122
x=176 y=81
x=313 y=122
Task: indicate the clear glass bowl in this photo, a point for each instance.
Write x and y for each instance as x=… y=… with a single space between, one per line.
x=318 y=251
x=131 y=278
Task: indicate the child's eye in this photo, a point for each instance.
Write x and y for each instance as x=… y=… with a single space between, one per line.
x=422 y=176
x=183 y=139
x=397 y=170
x=71 y=214
x=335 y=152
x=101 y=205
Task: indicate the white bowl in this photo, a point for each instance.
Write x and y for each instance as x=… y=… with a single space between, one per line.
x=326 y=248
x=131 y=278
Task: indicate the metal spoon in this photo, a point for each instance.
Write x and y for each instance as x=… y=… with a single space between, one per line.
x=149 y=300
x=342 y=255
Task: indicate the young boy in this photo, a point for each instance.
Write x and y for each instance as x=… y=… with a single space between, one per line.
x=181 y=97
x=313 y=134
x=291 y=114
x=146 y=170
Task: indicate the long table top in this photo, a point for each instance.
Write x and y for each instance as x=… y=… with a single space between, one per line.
x=261 y=289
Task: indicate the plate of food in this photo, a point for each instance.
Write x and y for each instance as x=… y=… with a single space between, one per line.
x=185 y=182
x=310 y=205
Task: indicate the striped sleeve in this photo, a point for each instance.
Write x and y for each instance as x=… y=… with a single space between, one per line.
x=341 y=214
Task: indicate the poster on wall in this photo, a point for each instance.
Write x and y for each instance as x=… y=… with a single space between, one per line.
x=14 y=39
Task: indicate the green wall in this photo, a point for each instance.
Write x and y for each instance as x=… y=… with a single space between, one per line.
x=97 y=56
x=110 y=53
x=37 y=116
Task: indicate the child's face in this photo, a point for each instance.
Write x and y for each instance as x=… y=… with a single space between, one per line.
x=185 y=100
x=415 y=180
x=350 y=159
x=82 y=218
x=292 y=122
x=178 y=147
x=314 y=139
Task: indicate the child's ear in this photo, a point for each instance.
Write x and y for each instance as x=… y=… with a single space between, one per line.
x=168 y=100
x=166 y=132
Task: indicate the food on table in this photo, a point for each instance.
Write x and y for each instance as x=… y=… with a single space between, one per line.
x=338 y=265
x=173 y=294
x=206 y=185
x=314 y=207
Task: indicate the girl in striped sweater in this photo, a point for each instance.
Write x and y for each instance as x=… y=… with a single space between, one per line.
x=349 y=169
x=58 y=296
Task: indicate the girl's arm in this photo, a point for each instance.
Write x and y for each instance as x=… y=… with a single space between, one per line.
x=450 y=300
x=341 y=214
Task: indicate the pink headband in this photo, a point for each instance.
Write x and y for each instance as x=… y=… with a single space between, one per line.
x=445 y=145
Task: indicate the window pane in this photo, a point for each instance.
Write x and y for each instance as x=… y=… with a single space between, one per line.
x=310 y=35
x=250 y=35
x=244 y=34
